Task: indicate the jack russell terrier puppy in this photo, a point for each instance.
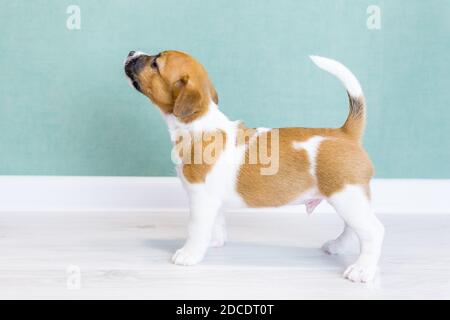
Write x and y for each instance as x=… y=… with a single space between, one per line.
x=307 y=165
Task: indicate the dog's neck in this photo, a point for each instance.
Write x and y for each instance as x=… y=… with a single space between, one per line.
x=212 y=120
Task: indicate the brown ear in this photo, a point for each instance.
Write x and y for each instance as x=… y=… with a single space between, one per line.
x=191 y=101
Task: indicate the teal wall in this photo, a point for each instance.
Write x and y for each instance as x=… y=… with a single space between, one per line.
x=66 y=108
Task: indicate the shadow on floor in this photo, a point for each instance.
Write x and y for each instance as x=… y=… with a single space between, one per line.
x=247 y=254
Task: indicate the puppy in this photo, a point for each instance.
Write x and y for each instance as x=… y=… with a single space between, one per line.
x=222 y=163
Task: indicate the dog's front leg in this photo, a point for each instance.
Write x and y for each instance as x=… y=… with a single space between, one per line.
x=219 y=233
x=203 y=213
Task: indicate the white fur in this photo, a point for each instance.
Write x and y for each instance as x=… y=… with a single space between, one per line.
x=337 y=69
x=311 y=146
x=353 y=206
x=342 y=244
x=261 y=130
x=212 y=120
x=135 y=55
x=206 y=226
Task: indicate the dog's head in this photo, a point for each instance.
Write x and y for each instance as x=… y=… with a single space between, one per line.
x=174 y=81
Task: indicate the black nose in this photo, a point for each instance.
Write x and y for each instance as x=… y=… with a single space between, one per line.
x=131 y=53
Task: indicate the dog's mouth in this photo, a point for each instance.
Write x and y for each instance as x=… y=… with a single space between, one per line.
x=133 y=82
x=131 y=76
x=133 y=63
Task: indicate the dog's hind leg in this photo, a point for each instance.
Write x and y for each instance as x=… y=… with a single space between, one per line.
x=353 y=205
x=342 y=243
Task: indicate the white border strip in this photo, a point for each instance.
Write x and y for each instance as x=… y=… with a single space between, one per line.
x=42 y=193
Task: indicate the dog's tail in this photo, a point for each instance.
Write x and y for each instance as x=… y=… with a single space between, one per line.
x=354 y=125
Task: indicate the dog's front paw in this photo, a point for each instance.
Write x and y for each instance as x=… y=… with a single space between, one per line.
x=188 y=256
x=361 y=272
x=217 y=242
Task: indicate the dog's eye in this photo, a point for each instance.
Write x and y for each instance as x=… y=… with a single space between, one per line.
x=154 y=64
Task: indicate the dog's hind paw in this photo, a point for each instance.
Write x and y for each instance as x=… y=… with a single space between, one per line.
x=361 y=272
x=333 y=247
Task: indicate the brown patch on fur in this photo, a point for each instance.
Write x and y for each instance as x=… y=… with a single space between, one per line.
x=289 y=182
x=340 y=160
x=202 y=152
x=179 y=85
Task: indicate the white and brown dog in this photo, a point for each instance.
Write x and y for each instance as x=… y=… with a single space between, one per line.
x=311 y=164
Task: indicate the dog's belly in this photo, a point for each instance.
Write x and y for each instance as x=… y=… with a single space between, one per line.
x=311 y=198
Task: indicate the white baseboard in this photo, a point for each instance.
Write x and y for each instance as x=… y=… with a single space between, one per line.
x=42 y=193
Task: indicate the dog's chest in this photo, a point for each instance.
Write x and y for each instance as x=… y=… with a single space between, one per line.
x=205 y=152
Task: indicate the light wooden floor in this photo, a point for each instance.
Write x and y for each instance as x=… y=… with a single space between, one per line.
x=269 y=256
